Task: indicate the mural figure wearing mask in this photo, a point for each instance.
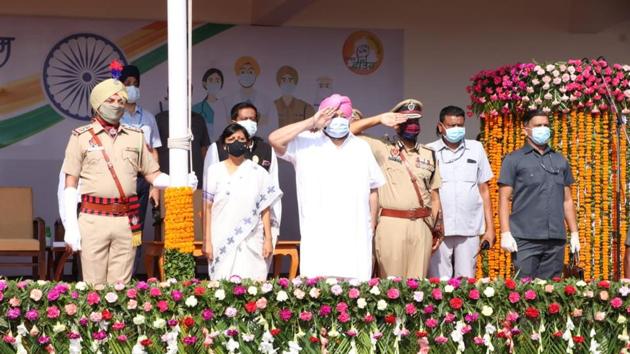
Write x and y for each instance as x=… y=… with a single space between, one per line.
x=324 y=89
x=211 y=108
x=290 y=109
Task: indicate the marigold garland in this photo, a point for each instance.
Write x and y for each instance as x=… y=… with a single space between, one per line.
x=179 y=223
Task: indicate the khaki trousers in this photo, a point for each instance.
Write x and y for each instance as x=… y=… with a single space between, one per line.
x=106 y=252
x=402 y=247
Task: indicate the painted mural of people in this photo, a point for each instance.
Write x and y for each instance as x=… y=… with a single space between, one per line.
x=289 y=108
x=323 y=89
x=247 y=71
x=212 y=108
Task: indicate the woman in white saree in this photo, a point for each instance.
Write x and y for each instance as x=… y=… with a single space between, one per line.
x=237 y=218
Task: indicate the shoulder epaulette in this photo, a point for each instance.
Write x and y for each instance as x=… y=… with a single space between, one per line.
x=133 y=129
x=80 y=130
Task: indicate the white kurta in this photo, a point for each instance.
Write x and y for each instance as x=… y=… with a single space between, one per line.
x=333 y=188
x=237 y=229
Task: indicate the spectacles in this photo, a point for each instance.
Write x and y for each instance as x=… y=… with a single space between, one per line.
x=551 y=170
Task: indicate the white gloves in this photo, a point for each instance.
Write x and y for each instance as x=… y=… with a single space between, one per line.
x=508 y=243
x=575 y=242
x=72 y=236
x=163 y=181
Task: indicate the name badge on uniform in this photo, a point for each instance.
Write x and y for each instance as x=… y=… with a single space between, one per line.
x=424 y=163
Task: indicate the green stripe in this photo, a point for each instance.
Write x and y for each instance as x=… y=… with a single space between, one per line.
x=30 y=123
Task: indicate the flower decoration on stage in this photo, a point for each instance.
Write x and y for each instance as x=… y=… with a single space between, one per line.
x=116 y=68
x=179 y=233
x=553 y=87
x=316 y=315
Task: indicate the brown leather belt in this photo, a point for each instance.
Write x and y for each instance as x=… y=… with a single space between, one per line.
x=412 y=214
x=114 y=208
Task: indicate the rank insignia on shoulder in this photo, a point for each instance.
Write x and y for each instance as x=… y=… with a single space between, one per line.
x=133 y=129
x=80 y=130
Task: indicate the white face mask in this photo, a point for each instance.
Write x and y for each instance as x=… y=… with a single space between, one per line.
x=250 y=126
x=133 y=94
x=247 y=80
x=213 y=88
x=338 y=127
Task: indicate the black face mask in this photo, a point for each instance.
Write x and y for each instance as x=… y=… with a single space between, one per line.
x=236 y=149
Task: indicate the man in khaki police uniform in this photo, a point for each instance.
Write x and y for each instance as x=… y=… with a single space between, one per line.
x=404 y=241
x=107 y=156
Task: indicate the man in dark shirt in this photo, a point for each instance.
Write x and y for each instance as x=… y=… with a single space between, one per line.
x=200 y=143
x=538 y=180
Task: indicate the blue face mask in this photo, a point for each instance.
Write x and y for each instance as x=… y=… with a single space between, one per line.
x=455 y=134
x=540 y=135
x=337 y=128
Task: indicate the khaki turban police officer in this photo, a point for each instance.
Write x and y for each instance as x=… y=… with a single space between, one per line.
x=107 y=156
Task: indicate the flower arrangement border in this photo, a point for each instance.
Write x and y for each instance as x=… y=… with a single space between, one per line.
x=179 y=233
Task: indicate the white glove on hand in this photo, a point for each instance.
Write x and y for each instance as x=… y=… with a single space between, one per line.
x=575 y=242
x=508 y=243
x=164 y=181
x=72 y=236
x=192 y=180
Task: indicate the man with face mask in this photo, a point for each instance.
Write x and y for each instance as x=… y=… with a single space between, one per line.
x=409 y=220
x=107 y=156
x=257 y=150
x=537 y=180
x=464 y=196
x=290 y=109
x=337 y=180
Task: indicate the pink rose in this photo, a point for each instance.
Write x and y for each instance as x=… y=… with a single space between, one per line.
x=71 y=309
x=436 y=294
x=473 y=294
x=549 y=288
x=342 y=307
x=15 y=302
x=412 y=283
x=373 y=282
x=93 y=298
x=354 y=293
x=147 y=306
x=514 y=297
x=616 y=302
x=393 y=293
x=431 y=322
x=132 y=293
x=261 y=303
x=132 y=304
x=599 y=316
x=155 y=292
x=530 y=295
x=306 y=316
x=512 y=316
x=603 y=295
x=162 y=305
x=343 y=317
x=53 y=312
x=96 y=317
x=119 y=286
x=410 y=309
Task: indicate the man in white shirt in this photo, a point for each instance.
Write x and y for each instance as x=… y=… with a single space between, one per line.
x=337 y=179
x=464 y=196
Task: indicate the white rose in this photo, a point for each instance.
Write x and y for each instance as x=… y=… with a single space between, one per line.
x=449 y=288
x=535 y=82
x=548 y=96
x=529 y=89
x=555 y=73
x=331 y=281
x=266 y=287
x=626 y=93
x=571 y=69
x=489 y=291
x=354 y=282
x=42 y=282
x=58 y=328
x=537 y=68
x=191 y=301
x=375 y=291
x=487 y=311
x=621 y=319
x=361 y=303
x=252 y=290
x=546 y=79
x=138 y=320
x=299 y=294
x=111 y=297
x=557 y=81
x=219 y=294
x=213 y=284
x=165 y=284
x=282 y=296
x=314 y=293
x=545 y=87
x=159 y=323
x=381 y=305
x=550 y=67
x=81 y=286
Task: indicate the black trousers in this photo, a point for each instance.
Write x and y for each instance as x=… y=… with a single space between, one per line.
x=542 y=259
x=142 y=190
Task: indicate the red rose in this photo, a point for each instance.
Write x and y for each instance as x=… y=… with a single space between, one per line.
x=313 y=339
x=421 y=334
x=146 y=342
x=275 y=332
x=557 y=334
x=578 y=339
x=368 y=318
x=472 y=281
x=603 y=284
x=553 y=308
x=189 y=322
x=390 y=319
x=532 y=312
x=510 y=284
x=569 y=290
x=200 y=291
x=556 y=279
x=434 y=280
x=186 y=283
x=250 y=307
x=106 y=315
x=456 y=303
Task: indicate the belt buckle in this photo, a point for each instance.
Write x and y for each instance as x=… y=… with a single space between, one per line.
x=118 y=208
x=412 y=215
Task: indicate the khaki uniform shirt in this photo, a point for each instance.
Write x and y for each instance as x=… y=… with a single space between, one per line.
x=398 y=192
x=296 y=111
x=127 y=152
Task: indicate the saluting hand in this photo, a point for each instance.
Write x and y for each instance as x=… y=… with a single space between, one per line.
x=322 y=118
x=393 y=119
